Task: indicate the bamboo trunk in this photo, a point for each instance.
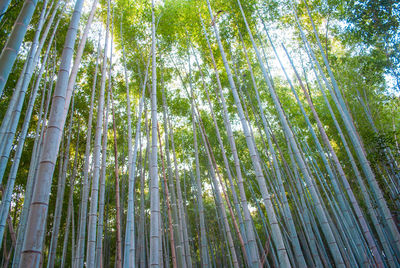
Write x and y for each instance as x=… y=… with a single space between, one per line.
x=154 y=187
x=32 y=248
x=117 y=194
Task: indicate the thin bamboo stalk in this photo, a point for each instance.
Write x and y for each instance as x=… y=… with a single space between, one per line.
x=10 y=51
x=117 y=194
x=171 y=230
x=80 y=249
x=92 y=225
x=154 y=187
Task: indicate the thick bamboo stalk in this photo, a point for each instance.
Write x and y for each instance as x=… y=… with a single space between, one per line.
x=41 y=124
x=32 y=248
x=60 y=198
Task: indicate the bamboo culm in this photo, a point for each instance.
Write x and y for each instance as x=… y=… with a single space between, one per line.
x=31 y=252
x=94 y=197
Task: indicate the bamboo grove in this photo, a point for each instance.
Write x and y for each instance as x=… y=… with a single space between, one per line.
x=199 y=133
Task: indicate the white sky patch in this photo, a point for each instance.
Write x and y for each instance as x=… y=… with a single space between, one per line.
x=279 y=37
x=392 y=87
